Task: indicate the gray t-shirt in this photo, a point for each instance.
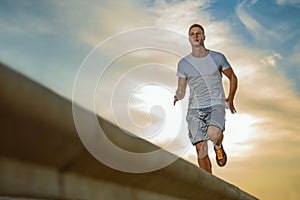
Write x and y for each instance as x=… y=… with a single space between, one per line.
x=204 y=78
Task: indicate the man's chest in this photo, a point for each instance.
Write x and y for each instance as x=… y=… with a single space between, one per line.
x=202 y=67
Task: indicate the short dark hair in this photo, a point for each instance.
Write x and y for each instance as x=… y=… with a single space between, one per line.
x=196 y=25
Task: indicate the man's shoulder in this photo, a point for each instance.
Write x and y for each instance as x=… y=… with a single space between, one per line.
x=215 y=53
x=186 y=59
x=217 y=56
x=220 y=60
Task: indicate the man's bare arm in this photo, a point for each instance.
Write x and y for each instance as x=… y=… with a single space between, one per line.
x=232 y=88
x=180 y=92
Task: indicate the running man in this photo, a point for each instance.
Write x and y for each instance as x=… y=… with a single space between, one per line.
x=202 y=70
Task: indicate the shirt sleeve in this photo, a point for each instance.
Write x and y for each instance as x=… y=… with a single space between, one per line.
x=224 y=63
x=180 y=71
x=220 y=61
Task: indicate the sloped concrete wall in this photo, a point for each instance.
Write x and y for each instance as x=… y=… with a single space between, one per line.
x=42 y=156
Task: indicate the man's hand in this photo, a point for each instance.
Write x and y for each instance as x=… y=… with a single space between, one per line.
x=230 y=105
x=175 y=100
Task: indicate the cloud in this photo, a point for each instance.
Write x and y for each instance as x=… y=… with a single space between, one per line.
x=271 y=60
x=179 y=15
x=90 y=21
x=264 y=92
x=261 y=33
x=98 y=20
x=270 y=98
x=295 y=3
x=26 y=19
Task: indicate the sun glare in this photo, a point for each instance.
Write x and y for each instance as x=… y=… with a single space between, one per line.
x=161 y=120
x=240 y=133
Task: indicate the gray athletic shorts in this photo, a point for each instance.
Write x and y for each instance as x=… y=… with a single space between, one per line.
x=199 y=119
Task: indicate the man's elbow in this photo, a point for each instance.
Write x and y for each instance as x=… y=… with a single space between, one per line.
x=233 y=77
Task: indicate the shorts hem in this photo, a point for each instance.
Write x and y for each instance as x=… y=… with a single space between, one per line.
x=194 y=143
x=222 y=128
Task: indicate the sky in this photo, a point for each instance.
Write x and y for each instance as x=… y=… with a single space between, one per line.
x=52 y=42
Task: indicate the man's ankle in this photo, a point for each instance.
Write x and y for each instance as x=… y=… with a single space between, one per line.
x=217 y=147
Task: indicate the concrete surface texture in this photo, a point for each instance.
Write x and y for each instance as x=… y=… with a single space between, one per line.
x=42 y=157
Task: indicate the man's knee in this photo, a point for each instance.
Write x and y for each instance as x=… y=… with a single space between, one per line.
x=214 y=133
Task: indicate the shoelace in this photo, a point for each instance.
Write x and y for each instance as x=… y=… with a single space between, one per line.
x=219 y=154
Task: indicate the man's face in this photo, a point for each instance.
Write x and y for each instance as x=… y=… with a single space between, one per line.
x=196 y=37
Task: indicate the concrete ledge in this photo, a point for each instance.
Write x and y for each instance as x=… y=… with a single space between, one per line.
x=38 y=139
x=23 y=179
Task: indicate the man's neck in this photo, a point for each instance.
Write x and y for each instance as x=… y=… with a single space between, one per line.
x=199 y=52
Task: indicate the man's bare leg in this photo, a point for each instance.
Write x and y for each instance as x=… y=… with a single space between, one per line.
x=202 y=154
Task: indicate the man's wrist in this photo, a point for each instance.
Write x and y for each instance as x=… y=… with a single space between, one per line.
x=230 y=97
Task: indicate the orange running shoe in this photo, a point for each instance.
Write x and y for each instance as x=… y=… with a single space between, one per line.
x=221 y=156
